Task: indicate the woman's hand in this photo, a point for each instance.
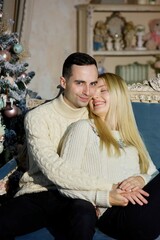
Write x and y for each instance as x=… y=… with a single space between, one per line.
x=132 y=183
x=137 y=196
x=117 y=199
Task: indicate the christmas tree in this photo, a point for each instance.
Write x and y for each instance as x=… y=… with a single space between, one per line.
x=14 y=80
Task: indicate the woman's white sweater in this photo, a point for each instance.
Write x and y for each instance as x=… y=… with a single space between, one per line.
x=81 y=150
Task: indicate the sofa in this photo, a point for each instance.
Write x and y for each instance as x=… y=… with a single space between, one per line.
x=147 y=113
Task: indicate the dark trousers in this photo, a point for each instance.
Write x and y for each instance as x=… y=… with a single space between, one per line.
x=74 y=218
x=135 y=222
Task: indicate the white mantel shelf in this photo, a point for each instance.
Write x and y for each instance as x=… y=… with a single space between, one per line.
x=127 y=53
x=122 y=7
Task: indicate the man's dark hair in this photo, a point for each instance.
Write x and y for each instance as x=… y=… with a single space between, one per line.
x=77 y=58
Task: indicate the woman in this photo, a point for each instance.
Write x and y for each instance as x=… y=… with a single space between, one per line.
x=109 y=146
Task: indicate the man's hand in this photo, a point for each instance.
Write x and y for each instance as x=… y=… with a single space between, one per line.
x=3 y=187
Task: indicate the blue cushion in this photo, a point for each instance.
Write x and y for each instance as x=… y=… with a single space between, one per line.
x=7 y=168
x=45 y=234
x=41 y=234
x=148 y=121
x=101 y=236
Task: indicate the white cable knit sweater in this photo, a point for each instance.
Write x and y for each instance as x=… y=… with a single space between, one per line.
x=81 y=150
x=45 y=126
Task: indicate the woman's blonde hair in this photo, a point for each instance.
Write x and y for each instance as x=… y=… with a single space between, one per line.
x=120 y=114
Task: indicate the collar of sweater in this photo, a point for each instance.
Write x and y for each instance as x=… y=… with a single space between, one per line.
x=67 y=111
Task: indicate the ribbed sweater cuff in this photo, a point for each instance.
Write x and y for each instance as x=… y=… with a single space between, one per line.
x=102 y=198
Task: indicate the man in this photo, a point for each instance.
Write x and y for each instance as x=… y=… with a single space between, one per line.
x=38 y=204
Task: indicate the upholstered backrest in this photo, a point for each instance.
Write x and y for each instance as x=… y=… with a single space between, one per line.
x=148 y=120
x=145 y=99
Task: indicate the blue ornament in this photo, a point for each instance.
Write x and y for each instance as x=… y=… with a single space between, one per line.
x=17 y=48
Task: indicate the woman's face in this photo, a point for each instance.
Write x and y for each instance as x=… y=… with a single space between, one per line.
x=100 y=102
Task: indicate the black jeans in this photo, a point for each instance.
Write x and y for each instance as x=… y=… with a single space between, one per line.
x=135 y=222
x=73 y=218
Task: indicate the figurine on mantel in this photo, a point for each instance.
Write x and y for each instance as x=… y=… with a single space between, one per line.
x=118 y=43
x=152 y=39
x=100 y=35
x=129 y=36
x=109 y=43
x=115 y=25
x=140 y=32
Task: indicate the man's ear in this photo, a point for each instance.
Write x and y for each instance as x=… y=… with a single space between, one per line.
x=63 y=82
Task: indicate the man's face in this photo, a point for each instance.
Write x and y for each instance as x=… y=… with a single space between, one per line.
x=81 y=86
